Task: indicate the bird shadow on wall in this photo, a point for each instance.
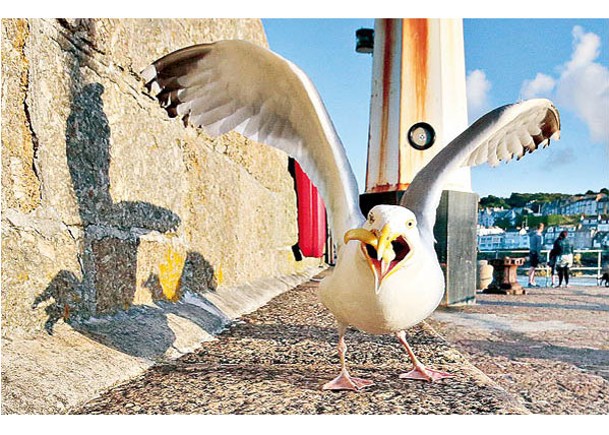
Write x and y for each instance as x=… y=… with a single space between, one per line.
x=111 y=233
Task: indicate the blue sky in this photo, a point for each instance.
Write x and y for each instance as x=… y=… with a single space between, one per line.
x=566 y=60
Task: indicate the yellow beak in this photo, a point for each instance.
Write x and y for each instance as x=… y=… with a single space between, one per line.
x=384 y=250
x=362 y=235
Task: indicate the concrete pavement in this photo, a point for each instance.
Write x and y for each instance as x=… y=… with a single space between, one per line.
x=549 y=347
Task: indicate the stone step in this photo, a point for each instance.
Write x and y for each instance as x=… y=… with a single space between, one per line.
x=51 y=373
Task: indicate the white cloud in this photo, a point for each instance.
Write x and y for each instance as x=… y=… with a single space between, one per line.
x=558 y=158
x=478 y=87
x=582 y=86
x=541 y=86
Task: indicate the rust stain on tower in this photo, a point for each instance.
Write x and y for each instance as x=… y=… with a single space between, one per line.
x=416 y=36
x=418 y=76
x=386 y=88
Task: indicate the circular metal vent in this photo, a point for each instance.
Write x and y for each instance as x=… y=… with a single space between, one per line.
x=421 y=136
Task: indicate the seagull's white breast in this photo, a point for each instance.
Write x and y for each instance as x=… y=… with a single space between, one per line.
x=404 y=299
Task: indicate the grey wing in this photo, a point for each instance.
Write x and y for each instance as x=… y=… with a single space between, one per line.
x=506 y=132
x=237 y=85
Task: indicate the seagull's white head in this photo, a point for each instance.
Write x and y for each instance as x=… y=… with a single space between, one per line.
x=388 y=240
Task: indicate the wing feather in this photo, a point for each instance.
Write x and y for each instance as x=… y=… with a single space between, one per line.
x=514 y=145
x=501 y=134
x=481 y=154
x=237 y=85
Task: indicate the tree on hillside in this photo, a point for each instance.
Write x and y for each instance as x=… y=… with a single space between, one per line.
x=521 y=199
x=492 y=201
x=518 y=199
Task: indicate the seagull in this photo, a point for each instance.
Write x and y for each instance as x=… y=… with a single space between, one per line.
x=387 y=277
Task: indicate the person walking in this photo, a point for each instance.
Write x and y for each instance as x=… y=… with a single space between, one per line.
x=552 y=264
x=564 y=258
x=535 y=244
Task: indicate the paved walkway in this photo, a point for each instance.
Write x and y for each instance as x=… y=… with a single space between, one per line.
x=549 y=347
x=275 y=360
x=546 y=352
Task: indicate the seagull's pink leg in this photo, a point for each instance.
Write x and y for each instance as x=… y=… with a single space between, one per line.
x=344 y=381
x=419 y=371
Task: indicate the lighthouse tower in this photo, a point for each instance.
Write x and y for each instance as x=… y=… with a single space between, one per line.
x=418 y=105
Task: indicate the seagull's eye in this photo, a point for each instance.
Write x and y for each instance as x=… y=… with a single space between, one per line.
x=410 y=223
x=371 y=217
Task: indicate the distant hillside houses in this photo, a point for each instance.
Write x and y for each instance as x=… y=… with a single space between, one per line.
x=590 y=232
x=489 y=217
x=497 y=239
x=490 y=239
x=582 y=236
x=578 y=205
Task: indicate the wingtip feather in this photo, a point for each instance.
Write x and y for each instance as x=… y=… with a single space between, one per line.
x=148 y=73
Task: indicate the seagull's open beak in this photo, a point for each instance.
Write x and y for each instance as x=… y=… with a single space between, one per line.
x=385 y=251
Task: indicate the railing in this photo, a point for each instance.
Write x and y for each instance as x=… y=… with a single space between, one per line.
x=598 y=268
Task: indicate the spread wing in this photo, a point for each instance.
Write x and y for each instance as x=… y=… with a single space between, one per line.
x=237 y=85
x=506 y=132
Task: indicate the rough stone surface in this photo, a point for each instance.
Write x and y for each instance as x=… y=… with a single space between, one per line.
x=20 y=184
x=52 y=373
x=275 y=360
x=107 y=199
x=106 y=202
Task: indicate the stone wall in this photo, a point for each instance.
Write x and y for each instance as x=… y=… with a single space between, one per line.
x=106 y=202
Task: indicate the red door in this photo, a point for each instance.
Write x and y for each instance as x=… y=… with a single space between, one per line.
x=311 y=216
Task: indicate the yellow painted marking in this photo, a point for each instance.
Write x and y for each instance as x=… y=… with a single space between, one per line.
x=219 y=275
x=170 y=273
